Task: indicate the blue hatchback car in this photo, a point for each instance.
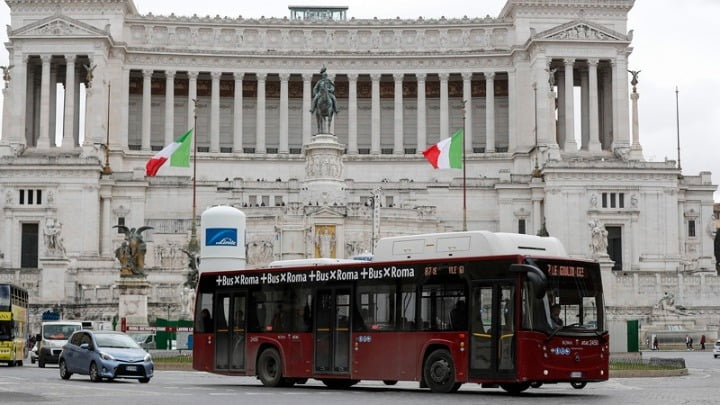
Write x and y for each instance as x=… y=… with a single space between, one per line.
x=105 y=354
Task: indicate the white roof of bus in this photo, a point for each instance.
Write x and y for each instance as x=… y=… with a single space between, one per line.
x=311 y=262
x=466 y=244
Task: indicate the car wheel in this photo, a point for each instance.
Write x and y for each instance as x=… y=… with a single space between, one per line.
x=94 y=376
x=20 y=363
x=64 y=373
x=439 y=371
x=269 y=368
x=144 y=380
x=41 y=362
x=32 y=360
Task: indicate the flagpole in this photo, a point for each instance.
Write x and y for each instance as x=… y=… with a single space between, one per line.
x=677 y=124
x=193 y=246
x=463 y=167
x=106 y=169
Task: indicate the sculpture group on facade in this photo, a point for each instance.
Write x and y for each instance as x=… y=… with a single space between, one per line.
x=131 y=253
x=598 y=235
x=324 y=104
x=6 y=73
x=53 y=238
x=325 y=242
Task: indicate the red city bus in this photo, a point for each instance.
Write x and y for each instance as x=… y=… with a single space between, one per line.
x=446 y=309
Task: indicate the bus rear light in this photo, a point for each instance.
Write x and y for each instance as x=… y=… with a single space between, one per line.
x=545 y=372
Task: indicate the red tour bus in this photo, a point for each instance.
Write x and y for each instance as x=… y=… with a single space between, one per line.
x=445 y=309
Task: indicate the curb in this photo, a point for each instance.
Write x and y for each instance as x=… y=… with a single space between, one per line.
x=648 y=373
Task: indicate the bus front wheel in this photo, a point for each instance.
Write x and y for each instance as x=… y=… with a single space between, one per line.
x=269 y=368
x=515 y=388
x=439 y=372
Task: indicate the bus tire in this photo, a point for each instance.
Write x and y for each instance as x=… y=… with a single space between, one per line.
x=578 y=385
x=389 y=382
x=439 y=371
x=269 y=368
x=339 y=383
x=515 y=388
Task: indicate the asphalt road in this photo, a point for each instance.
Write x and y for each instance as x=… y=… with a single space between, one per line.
x=32 y=385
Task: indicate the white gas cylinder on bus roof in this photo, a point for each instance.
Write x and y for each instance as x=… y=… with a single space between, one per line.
x=222 y=239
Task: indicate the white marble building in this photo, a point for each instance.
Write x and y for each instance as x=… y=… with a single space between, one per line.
x=550 y=141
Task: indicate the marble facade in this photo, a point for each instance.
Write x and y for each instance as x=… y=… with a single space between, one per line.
x=402 y=85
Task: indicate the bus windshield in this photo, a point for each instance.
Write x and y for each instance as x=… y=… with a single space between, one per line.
x=572 y=302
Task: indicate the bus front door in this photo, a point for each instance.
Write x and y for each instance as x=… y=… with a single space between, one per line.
x=230 y=331
x=492 y=330
x=332 y=331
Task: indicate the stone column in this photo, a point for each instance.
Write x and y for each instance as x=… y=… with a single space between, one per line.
x=169 y=106
x=192 y=96
x=68 y=140
x=146 y=109
x=490 y=111
x=636 y=148
x=43 y=140
x=124 y=109
x=467 y=111
x=584 y=109
x=594 y=145
x=570 y=143
x=398 y=147
x=331 y=127
x=283 y=147
x=375 y=115
x=561 y=136
x=238 y=113
x=215 y=112
x=14 y=106
x=444 y=110
x=352 y=148
x=512 y=108
x=260 y=121
x=421 y=119
x=607 y=103
x=106 y=229
x=307 y=99
x=53 y=104
x=621 y=137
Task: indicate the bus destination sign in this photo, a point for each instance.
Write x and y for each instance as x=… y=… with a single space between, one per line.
x=566 y=271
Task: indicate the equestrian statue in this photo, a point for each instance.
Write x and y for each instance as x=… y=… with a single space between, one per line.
x=324 y=104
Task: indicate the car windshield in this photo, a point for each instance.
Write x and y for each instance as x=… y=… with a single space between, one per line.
x=59 y=332
x=115 y=340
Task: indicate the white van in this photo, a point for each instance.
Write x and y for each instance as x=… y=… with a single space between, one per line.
x=53 y=336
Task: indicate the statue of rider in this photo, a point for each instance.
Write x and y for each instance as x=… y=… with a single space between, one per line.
x=329 y=86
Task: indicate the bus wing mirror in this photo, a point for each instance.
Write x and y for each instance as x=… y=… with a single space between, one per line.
x=534 y=275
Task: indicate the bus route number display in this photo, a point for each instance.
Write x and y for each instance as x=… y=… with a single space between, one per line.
x=558 y=270
x=455 y=270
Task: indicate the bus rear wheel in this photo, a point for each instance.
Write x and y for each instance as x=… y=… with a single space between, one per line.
x=269 y=368
x=439 y=372
x=515 y=388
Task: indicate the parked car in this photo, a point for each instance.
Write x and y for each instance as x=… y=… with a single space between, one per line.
x=34 y=354
x=716 y=349
x=145 y=340
x=105 y=354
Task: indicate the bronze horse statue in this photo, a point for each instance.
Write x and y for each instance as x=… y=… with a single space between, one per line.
x=324 y=104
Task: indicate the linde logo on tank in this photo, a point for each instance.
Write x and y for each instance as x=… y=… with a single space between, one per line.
x=221 y=237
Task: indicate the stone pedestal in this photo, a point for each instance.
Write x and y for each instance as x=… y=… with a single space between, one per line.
x=52 y=282
x=324 y=183
x=608 y=278
x=133 y=300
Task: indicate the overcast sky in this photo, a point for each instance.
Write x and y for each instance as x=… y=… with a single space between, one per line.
x=675 y=44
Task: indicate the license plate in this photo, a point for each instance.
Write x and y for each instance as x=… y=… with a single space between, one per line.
x=131 y=368
x=576 y=374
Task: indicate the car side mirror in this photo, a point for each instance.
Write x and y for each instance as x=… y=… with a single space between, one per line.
x=37 y=337
x=85 y=346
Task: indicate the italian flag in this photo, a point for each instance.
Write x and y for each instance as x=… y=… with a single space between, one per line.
x=448 y=153
x=177 y=152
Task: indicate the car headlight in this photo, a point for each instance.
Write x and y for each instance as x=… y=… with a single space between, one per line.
x=148 y=357
x=106 y=356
